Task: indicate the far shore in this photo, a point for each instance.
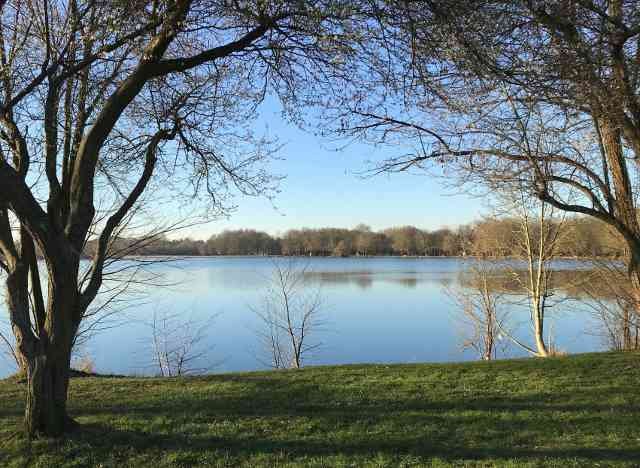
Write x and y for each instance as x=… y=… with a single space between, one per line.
x=461 y=257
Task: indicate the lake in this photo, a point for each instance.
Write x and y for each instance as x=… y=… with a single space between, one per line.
x=375 y=310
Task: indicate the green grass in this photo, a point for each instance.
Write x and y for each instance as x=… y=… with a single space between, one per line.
x=581 y=410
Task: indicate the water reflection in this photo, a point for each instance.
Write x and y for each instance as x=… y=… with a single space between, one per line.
x=575 y=284
x=366 y=279
x=379 y=310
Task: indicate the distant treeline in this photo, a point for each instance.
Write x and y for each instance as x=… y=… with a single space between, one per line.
x=490 y=237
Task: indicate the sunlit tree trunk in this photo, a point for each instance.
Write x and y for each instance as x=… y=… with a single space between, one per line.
x=538 y=330
x=631 y=316
x=611 y=139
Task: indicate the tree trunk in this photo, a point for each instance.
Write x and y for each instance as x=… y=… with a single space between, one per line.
x=47 y=385
x=538 y=329
x=632 y=316
x=541 y=347
x=626 y=329
x=45 y=346
x=625 y=203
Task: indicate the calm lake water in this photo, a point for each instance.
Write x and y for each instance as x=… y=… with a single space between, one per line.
x=377 y=310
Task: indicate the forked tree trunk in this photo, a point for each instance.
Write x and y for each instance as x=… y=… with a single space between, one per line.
x=47 y=386
x=46 y=351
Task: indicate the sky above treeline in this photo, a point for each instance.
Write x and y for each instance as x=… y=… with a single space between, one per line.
x=324 y=186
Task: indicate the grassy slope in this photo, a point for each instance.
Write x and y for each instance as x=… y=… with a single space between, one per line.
x=574 y=411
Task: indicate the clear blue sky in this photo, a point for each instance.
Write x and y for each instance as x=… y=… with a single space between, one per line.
x=323 y=188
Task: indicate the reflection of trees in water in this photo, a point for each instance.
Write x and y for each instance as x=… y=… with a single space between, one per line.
x=408 y=282
x=362 y=279
x=604 y=290
x=365 y=279
x=569 y=282
x=363 y=282
x=578 y=284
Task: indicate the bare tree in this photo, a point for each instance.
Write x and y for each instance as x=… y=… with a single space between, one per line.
x=179 y=345
x=541 y=93
x=540 y=230
x=126 y=284
x=290 y=314
x=482 y=314
x=613 y=302
x=102 y=101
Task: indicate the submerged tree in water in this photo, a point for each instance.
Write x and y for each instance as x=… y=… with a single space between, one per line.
x=290 y=316
x=481 y=310
x=538 y=235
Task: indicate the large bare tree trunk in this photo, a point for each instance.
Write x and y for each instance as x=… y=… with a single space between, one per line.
x=44 y=345
x=47 y=386
x=632 y=317
x=626 y=210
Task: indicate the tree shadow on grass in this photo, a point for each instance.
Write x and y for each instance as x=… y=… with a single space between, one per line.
x=479 y=427
x=256 y=416
x=267 y=396
x=106 y=440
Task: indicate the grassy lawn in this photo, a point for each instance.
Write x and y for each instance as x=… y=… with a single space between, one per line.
x=580 y=410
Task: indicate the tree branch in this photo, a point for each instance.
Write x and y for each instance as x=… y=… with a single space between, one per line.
x=116 y=218
x=183 y=64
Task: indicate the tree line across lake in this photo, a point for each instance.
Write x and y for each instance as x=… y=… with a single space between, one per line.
x=488 y=237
